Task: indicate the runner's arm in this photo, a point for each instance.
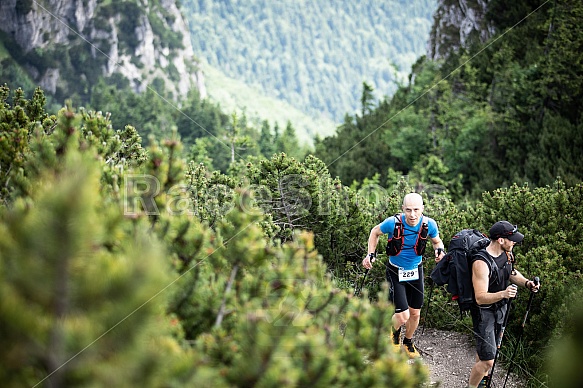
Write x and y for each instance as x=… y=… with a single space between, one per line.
x=522 y=281
x=438 y=244
x=373 y=240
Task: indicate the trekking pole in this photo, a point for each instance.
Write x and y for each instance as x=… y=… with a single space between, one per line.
x=499 y=342
x=357 y=289
x=431 y=283
x=536 y=281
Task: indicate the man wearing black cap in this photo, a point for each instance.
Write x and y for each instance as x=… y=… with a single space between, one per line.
x=492 y=270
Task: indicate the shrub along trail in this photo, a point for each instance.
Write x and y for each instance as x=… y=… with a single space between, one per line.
x=450 y=356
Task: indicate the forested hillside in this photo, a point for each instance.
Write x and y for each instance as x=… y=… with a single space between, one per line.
x=481 y=117
x=67 y=47
x=312 y=54
x=205 y=256
x=125 y=265
x=133 y=60
x=309 y=74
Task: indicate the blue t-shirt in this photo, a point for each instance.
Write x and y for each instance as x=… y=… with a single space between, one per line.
x=407 y=258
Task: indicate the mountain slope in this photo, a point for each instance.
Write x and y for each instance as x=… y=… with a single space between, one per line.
x=66 y=46
x=314 y=55
x=235 y=95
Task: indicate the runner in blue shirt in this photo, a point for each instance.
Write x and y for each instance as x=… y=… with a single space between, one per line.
x=404 y=268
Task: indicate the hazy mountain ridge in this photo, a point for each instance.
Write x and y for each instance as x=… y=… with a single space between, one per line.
x=65 y=47
x=313 y=55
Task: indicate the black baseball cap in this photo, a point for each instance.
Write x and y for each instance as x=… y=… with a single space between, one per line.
x=505 y=229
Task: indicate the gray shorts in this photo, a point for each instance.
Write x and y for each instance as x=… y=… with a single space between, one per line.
x=487 y=324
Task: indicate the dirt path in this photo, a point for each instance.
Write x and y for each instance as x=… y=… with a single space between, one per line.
x=450 y=357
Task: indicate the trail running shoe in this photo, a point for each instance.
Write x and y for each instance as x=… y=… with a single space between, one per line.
x=396 y=340
x=484 y=382
x=410 y=349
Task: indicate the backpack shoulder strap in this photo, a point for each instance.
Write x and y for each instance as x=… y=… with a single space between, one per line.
x=422 y=236
x=398 y=231
x=395 y=242
x=489 y=262
x=424 y=229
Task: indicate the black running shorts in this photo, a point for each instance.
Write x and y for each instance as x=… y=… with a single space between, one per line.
x=405 y=294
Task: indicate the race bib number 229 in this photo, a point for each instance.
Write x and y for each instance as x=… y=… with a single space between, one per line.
x=406 y=275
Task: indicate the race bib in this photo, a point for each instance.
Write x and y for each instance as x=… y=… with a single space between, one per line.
x=406 y=275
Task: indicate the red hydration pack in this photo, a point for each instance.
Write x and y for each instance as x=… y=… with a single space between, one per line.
x=395 y=243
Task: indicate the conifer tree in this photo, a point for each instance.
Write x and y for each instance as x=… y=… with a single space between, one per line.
x=81 y=287
x=199 y=153
x=17 y=124
x=366 y=99
x=288 y=142
x=266 y=140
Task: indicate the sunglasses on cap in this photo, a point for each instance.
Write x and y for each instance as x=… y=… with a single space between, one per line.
x=510 y=232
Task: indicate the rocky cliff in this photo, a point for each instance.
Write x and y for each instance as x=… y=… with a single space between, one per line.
x=458 y=24
x=66 y=45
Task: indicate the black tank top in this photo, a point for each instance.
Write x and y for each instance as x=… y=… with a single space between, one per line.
x=500 y=274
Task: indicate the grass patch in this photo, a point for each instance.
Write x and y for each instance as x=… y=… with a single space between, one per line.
x=236 y=96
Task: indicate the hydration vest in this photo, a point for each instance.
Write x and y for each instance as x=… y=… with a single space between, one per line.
x=396 y=242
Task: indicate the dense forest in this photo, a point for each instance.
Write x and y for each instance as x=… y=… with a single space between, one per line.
x=483 y=117
x=205 y=255
x=314 y=55
x=139 y=46
x=139 y=267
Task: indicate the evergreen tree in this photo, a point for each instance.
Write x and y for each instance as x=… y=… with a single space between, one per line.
x=198 y=118
x=266 y=140
x=276 y=135
x=17 y=124
x=89 y=279
x=199 y=153
x=366 y=99
x=357 y=151
x=288 y=142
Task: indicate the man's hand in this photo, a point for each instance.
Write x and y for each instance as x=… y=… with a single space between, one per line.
x=368 y=260
x=532 y=285
x=439 y=253
x=510 y=291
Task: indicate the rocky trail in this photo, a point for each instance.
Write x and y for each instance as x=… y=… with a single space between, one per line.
x=450 y=356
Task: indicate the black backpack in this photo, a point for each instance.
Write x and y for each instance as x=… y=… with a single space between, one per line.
x=455 y=269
